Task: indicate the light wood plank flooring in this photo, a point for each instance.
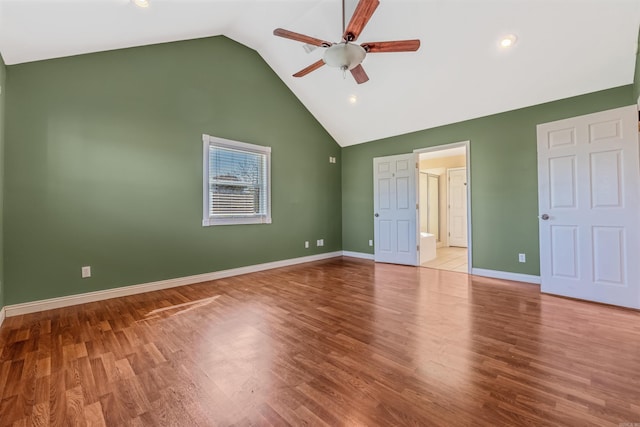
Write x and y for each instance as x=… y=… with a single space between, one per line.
x=449 y=258
x=336 y=342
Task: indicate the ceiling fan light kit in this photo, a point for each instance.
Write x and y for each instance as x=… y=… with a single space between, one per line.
x=346 y=55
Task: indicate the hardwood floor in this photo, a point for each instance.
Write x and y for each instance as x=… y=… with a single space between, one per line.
x=335 y=342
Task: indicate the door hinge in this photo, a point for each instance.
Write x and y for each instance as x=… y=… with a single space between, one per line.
x=417 y=206
x=418 y=248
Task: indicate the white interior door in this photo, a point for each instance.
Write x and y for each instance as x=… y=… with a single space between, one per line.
x=423 y=201
x=457 y=222
x=589 y=200
x=433 y=205
x=394 y=204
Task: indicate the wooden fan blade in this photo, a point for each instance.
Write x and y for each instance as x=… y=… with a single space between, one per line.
x=359 y=74
x=309 y=69
x=361 y=16
x=281 y=32
x=393 y=46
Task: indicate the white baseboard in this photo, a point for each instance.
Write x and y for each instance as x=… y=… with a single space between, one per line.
x=66 y=301
x=357 y=255
x=517 y=277
x=48 y=304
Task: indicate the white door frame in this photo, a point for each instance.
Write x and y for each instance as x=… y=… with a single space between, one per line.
x=467 y=146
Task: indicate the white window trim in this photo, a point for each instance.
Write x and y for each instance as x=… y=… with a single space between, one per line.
x=207 y=140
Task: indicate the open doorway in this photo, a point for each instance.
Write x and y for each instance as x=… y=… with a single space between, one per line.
x=443 y=208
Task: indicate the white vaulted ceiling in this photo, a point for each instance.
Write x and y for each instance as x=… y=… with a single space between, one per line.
x=564 y=48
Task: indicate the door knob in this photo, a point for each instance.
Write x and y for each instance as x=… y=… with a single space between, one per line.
x=376 y=215
x=544 y=217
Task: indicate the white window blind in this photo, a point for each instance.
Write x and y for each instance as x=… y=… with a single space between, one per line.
x=237 y=178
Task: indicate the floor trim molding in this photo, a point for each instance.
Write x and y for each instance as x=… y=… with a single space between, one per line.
x=66 y=301
x=52 y=303
x=517 y=277
x=357 y=255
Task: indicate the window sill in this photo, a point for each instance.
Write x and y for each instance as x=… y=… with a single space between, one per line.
x=235 y=221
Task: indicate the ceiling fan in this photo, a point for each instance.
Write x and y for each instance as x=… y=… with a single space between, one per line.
x=346 y=54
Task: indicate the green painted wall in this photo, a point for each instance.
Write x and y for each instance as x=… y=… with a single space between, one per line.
x=104 y=167
x=503 y=178
x=636 y=78
x=2 y=113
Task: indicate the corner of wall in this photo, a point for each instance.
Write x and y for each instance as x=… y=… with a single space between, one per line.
x=636 y=78
x=2 y=114
x=121 y=144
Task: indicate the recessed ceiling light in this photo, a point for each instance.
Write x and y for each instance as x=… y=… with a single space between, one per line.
x=508 y=40
x=141 y=3
x=353 y=99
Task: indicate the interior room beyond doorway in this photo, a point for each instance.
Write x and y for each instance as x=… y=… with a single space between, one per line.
x=442 y=201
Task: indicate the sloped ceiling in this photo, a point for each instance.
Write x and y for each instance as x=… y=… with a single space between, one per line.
x=564 y=48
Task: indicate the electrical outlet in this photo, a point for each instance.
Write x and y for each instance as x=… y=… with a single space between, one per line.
x=321 y=242
x=522 y=258
x=370 y=242
x=86 y=272
x=306 y=244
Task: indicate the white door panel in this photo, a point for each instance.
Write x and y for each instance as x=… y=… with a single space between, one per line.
x=562 y=173
x=395 y=211
x=608 y=255
x=564 y=251
x=589 y=186
x=457 y=189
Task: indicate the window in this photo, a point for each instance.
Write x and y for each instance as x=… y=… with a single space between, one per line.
x=237 y=179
